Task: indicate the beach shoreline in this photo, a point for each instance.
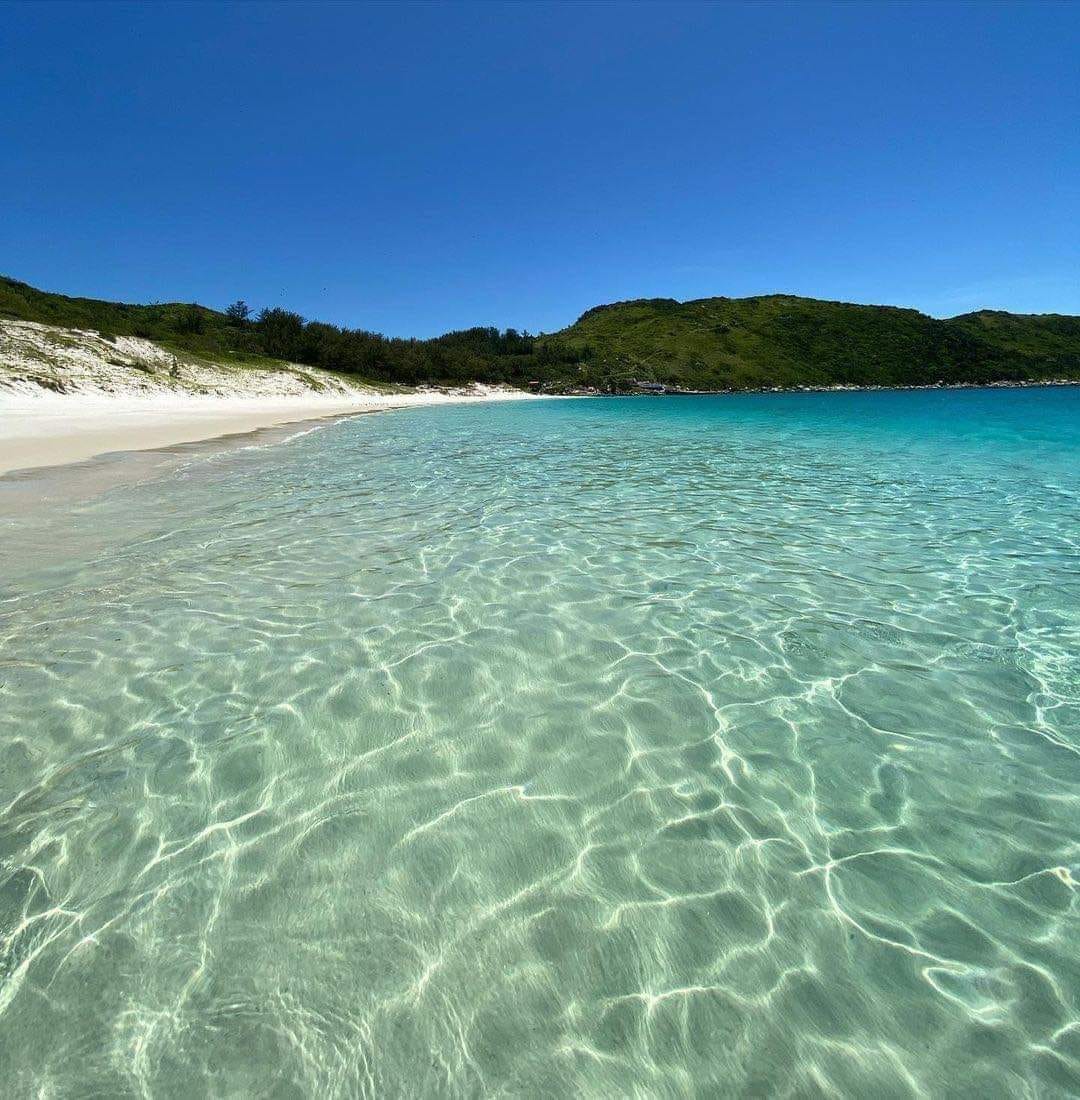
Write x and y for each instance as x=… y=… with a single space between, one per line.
x=47 y=430
x=43 y=430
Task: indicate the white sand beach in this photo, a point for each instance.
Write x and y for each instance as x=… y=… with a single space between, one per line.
x=58 y=429
x=67 y=395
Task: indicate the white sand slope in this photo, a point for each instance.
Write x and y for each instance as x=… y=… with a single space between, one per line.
x=67 y=395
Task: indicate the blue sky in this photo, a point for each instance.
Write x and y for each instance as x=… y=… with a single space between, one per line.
x=412 y=169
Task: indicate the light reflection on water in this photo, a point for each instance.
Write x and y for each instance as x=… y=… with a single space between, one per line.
x=669 y=746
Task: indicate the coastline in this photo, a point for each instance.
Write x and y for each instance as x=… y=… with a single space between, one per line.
x=45 y=430
x=49 y=430
x=675 y=391
x=69 y=395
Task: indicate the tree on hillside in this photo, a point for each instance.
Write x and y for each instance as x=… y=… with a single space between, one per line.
x=239 y=312
x=282 y=333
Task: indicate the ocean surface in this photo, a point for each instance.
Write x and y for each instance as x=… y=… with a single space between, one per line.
x=658 y=747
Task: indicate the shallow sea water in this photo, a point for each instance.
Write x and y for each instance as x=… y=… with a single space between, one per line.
x=657 y=747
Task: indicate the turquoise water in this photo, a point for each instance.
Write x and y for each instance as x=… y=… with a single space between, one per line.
x=655 y=747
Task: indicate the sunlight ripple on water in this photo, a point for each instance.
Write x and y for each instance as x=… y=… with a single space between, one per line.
x=663 y=746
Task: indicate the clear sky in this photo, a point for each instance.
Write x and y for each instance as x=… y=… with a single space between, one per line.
x=412 y=169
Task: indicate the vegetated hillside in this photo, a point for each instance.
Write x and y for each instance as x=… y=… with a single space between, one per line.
x=709 y=344
x=191 y=328
x=778 y=340
x=36 y=357
x=239 y=336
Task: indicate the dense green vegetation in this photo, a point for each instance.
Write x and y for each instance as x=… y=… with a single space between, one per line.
x=778 y=340
x=483 y=354
x=712 y=343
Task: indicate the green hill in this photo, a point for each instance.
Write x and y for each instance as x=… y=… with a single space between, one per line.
x=779 y=340
x=178 y=325
x=708 y=344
